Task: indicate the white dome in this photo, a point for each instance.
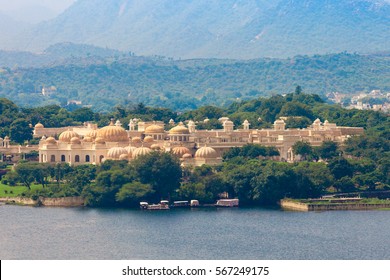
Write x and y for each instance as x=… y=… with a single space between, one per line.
x=113 y=133
x=124 y=157
x=99 y=140
x=75 y=140
x=279 y=122
x=155 y=147
x=154 y=128
x=66 y=136
x=130 y=150
x=187 y=156
x=87 y=139
x=141 y=151
x=116 y=152
x=206 y=152
x=180 y=151
x=92 y=133
x=51 y=140
x=148 y=139
x=179 y=129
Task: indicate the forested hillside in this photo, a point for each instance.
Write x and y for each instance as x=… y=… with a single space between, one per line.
x=105 y=82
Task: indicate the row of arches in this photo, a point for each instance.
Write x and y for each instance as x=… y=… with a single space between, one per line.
x=76 y=159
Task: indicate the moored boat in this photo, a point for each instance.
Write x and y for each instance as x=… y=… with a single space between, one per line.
x=163 y=205
x=181 y=203
x=227 y=202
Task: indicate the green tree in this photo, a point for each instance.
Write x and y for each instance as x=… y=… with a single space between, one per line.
x=302 y=148
x=328 y=150
x=295 y=109
x=345 y=184
x=83 y=114
x=340 y=167
x=132 y=193
x=297 y=122
x=318 y=173
x=20 y=131
x=25 y=172
x=161 y=170
x=239 y=179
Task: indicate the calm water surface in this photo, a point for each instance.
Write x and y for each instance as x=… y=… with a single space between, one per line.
x=82 y=233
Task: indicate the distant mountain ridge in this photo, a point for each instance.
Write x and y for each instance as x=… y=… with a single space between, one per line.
x=59 y=54
x=239 y=29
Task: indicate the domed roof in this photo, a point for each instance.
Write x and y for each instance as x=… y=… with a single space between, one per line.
x=148 y=139
x=99 y=140
x=141 y=151
x=51 y=140
x=317 y=121
x=155 y=147
x=113 y=133
x=92 y=133
x=39 y=125
x=223 y=119
x=279 y=122
x=124 y=157
x=206 y=152
x=130 y=150
x=66 y=136
x=180 y=129
x=187 y=156
x=136 y=139
x=180 y=151
x=75 y=140
x=116 y=152
x=87 y=139
x=154 y=128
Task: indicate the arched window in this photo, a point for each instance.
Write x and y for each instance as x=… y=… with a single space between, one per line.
x=87 y=158
x=77 y=158
x=101 y=159
x=62 y=158
x=52 y=158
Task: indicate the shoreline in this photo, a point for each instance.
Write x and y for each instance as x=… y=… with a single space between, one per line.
x=291 y=205
x=285 y=204
x=75 y=201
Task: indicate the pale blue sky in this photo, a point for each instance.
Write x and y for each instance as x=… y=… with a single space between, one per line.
x=55 y=5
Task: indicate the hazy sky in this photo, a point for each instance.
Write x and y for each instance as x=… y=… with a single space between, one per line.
x=55 y=5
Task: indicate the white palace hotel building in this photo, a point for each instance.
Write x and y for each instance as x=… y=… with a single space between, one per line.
x=89 y=144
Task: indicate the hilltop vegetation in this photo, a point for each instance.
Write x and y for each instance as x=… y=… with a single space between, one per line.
x=104 y=82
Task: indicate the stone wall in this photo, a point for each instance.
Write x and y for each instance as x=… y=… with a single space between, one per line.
x=292 y=205
x=60 y=201
x=298 y=206
x=18 y=200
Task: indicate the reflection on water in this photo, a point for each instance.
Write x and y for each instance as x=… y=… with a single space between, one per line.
x=82 y=233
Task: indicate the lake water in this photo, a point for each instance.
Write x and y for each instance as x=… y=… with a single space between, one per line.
x=83 y=233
